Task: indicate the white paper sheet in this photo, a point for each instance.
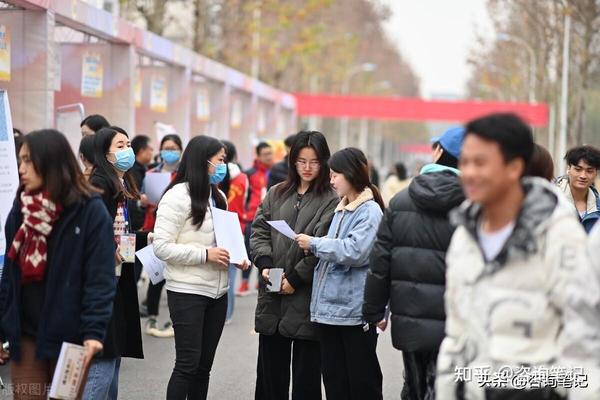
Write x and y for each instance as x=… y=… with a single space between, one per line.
x=9 y=172
x=229 y=235
x=154 y=266
x=283 y=228
x=69 y=372
x=155 y=184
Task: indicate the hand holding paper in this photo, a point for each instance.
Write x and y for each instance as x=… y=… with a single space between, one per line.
x=92 y=347
x=70 y=372
x=303 y=241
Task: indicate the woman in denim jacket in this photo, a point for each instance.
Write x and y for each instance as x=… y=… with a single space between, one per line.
x=348 y=345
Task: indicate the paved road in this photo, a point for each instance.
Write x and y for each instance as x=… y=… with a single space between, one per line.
x=234 y=371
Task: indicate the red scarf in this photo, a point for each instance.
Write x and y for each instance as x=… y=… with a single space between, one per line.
x=29 y=247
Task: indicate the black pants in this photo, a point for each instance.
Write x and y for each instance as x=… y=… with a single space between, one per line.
x=198 y=322
x=273 y=372
x=351 y=369
x=419 y=375
x=153 y=297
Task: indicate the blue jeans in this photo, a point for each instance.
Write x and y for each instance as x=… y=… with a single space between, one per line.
x=231 y=292
x=103 y=380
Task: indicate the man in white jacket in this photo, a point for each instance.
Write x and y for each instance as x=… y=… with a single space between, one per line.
x=521 y=295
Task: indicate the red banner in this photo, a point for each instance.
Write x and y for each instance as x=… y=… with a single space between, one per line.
x=413 y=109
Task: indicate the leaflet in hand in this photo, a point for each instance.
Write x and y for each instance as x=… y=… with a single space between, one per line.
x=154 y=266
x=69 y=373
x=283 y=228
x=155 y=184
x=127 y=247
x=228 y=233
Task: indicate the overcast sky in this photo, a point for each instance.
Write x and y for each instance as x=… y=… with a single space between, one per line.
x=436 y=36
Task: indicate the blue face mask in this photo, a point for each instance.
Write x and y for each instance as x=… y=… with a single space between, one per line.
x=170 y=156
x=125 y=159
x=219 y=175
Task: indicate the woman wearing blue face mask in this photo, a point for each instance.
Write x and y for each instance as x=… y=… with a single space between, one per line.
x=197 y=270
x=114 y=158
x=170 y=153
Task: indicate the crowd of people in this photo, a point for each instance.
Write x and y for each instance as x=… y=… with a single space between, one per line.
x=484 y=264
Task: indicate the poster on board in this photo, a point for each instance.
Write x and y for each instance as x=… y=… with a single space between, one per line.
x=203 y=104
x=159 y=94
x=236 y=113
x=4 y=53
x=92 y=74
x=9 y=174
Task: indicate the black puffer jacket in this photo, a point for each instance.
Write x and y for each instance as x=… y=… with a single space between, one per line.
x=408 y=261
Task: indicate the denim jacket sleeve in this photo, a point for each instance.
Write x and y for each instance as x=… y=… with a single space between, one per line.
x=354 y=249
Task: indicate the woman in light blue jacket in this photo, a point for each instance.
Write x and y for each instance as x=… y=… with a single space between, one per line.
x=348 y=345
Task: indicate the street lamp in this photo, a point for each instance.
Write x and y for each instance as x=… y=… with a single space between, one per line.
x=564 y=96
x=353 y=71
x=504 y=37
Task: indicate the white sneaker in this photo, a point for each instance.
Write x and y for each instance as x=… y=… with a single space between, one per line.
x=152 y=329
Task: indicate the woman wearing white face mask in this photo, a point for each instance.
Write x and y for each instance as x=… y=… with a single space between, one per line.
x=114 y=158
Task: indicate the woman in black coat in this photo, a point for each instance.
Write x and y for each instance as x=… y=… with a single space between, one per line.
x=408 y=267
x=114 y=158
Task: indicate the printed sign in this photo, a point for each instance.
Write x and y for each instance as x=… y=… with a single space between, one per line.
x=158 y=94
x=92 y=74
x=203 y=105
x=4 y=53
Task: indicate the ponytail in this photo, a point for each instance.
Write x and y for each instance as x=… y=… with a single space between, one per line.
x=377 y=196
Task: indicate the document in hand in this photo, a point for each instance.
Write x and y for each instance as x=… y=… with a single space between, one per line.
x=69 y=373
x=155 y=184
x=228 y=233
x=154 y=266
x=283 y=228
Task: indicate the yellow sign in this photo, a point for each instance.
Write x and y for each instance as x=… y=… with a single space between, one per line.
x=92 y=74
x=158 y=94
x=4 y=53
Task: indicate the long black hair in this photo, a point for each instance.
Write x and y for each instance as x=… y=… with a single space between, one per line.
x=54 y=161
x=102 y=141
x=353 y=164
x=193 y=170
x=231 y=152
x=316 y=141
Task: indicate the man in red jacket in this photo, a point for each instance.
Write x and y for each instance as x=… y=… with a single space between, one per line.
x=258 y=177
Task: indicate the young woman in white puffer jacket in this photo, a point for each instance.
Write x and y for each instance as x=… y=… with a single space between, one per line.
x=197 y=270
